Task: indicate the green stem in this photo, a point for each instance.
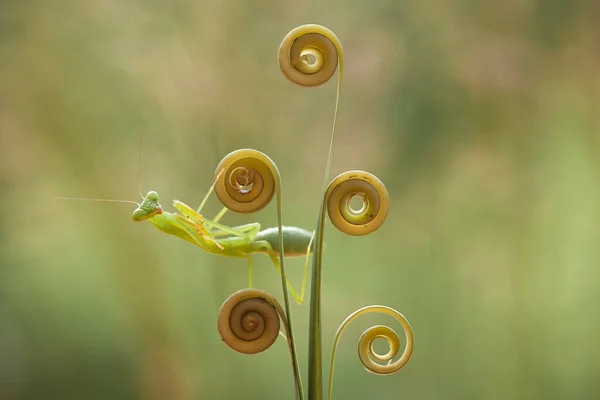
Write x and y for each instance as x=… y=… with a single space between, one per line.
x=299 y=394
x=315 y=351
x=315 y=369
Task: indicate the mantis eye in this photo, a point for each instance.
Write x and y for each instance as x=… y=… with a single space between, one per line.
x=152 y=196
x=139 y=214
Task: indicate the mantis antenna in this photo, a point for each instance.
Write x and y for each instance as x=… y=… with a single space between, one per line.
x=140 y=166
x=141 y=141
x=140 y=159
x=104 y=200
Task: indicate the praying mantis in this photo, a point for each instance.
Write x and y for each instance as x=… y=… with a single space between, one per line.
x=211 y=236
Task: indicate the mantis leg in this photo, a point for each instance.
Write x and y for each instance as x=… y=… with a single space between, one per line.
x=248 y=231
x=212 y=187
x=220 y=214
x=305 y=274
x=250 y=272
x=275 y=260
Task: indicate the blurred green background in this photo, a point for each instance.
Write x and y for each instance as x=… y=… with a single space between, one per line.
x=480 y=117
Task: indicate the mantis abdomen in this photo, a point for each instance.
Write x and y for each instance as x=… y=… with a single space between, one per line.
x=295 y=240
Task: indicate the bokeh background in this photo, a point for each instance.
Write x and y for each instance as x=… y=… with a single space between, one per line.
x=480 y=117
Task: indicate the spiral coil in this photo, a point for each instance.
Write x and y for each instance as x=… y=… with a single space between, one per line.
x=248 y=321
x=368 y=357
x=246 y=180
x=309 y=55
x=369 y=190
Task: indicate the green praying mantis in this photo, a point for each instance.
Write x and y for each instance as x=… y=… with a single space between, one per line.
x=208 y=234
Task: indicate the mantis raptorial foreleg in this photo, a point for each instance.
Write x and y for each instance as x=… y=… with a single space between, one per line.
x=243 y=231
x=194 y=231
x=191 y=229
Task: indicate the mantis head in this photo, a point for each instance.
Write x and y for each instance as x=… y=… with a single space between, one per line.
x=148 y=208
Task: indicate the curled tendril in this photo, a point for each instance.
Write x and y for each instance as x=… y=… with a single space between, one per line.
x=249 y=323
x=309 y=55
x=366 y=353
x=369 y=357
x=246 y=180
x=371 y=192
